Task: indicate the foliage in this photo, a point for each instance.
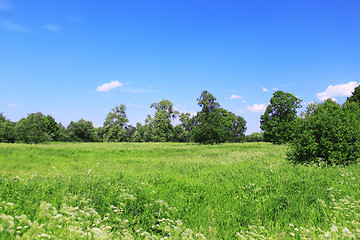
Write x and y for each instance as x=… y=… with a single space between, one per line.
x=162 y=129
x=115 y=125
x=328 y=133
x=214 y=124
x=238 y=129
x=82 y=131
x=278 y=120
x=7 y=130
x=255 y=137
x=173 y=191
x=53 y=128
x=355 y=97
x=33 y=129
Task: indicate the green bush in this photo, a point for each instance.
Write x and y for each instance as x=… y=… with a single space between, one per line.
x=327 y=133
x=255 y=137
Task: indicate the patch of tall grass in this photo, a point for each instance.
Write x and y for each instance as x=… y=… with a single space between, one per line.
x=173 y=191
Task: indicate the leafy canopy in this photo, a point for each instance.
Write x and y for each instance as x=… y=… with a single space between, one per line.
x=278 y=120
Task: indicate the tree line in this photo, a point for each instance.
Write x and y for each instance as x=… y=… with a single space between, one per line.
x=326 y=133
x=212 y=124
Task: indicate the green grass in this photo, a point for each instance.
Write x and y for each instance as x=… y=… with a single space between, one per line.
x=173 y=190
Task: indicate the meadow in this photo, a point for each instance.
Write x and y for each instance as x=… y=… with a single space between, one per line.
x=172 y=191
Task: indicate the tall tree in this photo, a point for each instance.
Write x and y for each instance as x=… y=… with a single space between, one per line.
x=33 y=129
x=82 y=131
x=355 y=97
x=214 y=124
x=115 y=125
x=7 y=130
x=278 y=120
x=164 y=115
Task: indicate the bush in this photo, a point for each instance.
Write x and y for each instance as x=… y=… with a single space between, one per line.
x=327 y=133
x=255 y=137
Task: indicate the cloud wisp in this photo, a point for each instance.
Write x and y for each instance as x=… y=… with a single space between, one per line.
x=51 y=27
x=10 y=26
x=256 y=108
x=235 y=97
x=12 y=105
x=264 y=89
x=108 y=86
x=340 y=90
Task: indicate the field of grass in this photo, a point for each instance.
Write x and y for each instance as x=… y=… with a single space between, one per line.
x=172 y=191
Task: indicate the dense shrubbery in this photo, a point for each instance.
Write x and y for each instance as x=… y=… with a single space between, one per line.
x=211 y=125
x=255 y=137
x=327 y=133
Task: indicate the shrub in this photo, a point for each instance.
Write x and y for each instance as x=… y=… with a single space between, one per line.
x=255 y=137
x=327 y=133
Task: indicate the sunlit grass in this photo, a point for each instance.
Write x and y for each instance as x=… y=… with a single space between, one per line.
x=186 y=191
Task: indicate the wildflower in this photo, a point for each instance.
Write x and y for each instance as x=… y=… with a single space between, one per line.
x=334 y=228
x=346 y=231
x=292 y=234
x=327 y=235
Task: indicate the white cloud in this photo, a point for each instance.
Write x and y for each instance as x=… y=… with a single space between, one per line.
x=275 y=89
x=108 y=86
x=51 y=27
x=235 y=97
x=340 y=90
x=10 y=26
x=264 y=89
x=257 y=108
x=12 y=105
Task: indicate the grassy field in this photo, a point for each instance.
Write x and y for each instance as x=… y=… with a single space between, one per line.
x=173 y=191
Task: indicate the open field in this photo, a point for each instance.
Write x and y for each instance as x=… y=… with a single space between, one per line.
x=173 y=190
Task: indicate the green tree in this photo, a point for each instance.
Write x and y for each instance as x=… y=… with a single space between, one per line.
x=163 y=130
x=183 y=130
x=238 y=129
x=33 y=129
x=115 y=125
x=53 y=128
x=355 y=97
x=214 y=124
x=327 y=133
x=254 y=137
x=278 y=120
x=82 y=131
x=7 y=130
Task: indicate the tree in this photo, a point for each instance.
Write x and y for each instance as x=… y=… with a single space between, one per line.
x=7 y=130
x=214 y=124
x=33 y=129
x=53 y=128
x=162 y=128
x=278 y=120
x=238 y=129
x=115 y=125
x=327 y=133
x=355 y=97
x=183 y=130
x=82 y=131
x=254 y=137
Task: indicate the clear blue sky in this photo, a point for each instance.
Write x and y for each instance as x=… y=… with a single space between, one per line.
x=56 y=56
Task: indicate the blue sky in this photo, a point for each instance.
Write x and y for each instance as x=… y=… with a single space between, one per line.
x=79 y=59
